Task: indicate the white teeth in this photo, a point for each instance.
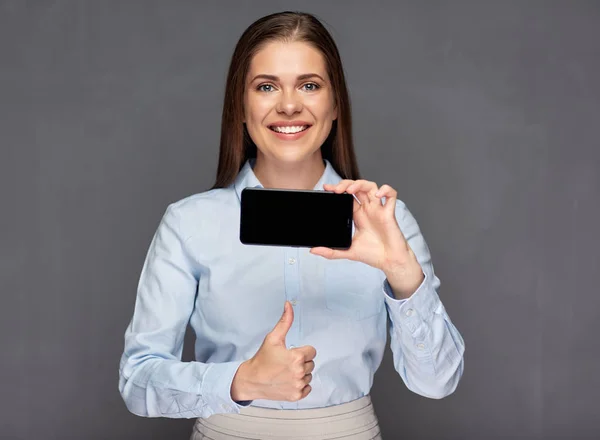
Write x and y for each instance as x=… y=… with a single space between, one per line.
x=290 y=130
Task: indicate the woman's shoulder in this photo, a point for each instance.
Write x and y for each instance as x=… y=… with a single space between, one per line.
x=203 y=205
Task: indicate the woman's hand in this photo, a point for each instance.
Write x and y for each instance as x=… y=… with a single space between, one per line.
x=378 y=240
x=276 y=372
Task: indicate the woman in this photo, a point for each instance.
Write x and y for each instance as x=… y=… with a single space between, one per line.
x=286 y=124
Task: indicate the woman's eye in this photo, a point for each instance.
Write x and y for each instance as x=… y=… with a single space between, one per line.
x=311 y=87
x=265 y=88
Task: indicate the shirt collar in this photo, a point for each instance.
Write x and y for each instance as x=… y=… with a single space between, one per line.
x=247 y=179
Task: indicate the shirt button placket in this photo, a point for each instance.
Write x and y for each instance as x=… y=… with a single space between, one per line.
x=292 y=291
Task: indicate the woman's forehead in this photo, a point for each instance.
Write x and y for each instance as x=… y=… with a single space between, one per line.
x=287 y=60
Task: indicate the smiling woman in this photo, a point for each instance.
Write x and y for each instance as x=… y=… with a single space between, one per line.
x=286 y=123
x=288 y=80
x=286 y=72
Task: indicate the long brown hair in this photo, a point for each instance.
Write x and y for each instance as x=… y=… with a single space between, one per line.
x=236 y=146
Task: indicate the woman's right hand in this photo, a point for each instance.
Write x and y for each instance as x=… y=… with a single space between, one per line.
x=276 y=372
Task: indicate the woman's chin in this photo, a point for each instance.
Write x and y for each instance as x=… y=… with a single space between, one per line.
x=291 y=157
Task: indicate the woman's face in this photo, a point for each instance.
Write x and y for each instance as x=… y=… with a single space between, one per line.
x=288 y=102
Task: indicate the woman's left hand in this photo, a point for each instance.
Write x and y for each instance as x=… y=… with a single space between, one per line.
x=378 y=240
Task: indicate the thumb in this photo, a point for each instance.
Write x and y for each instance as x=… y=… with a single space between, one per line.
x=280 y=330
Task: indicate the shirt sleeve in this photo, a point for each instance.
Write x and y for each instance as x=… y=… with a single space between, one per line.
x=153 y=381
x=427 y=348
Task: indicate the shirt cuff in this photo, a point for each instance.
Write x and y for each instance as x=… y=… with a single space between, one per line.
x=414 y=310
x=216 y=388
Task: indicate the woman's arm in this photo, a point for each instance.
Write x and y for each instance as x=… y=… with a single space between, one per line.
x=153 y=380
x=427 y=348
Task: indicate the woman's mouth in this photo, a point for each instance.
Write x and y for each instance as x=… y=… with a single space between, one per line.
x=289 y=132
x=289 y=129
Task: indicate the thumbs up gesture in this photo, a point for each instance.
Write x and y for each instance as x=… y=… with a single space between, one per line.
x=274 y=372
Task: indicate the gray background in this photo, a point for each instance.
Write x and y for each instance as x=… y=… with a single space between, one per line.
x=483 y=115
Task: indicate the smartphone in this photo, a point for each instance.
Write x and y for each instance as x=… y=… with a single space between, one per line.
x=297 y=218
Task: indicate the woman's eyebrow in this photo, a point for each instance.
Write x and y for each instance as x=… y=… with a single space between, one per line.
x=276 y=78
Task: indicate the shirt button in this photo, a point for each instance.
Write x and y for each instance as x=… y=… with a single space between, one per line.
x=291 y=260
x=292 y=346
x=225 y=407
x=294 y=302
x=420 y=346
x=410 y=312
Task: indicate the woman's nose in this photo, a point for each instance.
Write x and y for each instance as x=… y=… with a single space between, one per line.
x=289 y=103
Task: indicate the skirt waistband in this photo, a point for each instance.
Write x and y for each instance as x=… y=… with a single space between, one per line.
x=351 y=420
x=312 y=413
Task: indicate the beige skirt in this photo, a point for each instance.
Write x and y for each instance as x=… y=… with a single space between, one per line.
x=354 y=420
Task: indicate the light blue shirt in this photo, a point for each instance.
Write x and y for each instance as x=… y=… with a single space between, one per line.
x=198 y=271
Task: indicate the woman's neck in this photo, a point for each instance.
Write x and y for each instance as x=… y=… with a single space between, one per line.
x=298 y=175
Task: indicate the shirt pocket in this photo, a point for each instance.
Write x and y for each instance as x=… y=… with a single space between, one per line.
x=353 y=289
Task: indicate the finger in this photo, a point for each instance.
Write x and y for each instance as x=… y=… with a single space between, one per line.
x=309 y=367
x=307 y=379
x=372 y=197
x=390 y=194
x=331 y=254
x=282 y=327
x=340 y=187
x=361 y=186
x=364 y=190
x=308 y=351
x=306 y=391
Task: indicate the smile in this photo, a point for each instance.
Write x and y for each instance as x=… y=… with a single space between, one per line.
x=289 y=129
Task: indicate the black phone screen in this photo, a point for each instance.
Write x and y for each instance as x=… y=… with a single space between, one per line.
x=296 y=218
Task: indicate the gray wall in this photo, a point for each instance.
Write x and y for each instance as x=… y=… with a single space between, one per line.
x=484 y=116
